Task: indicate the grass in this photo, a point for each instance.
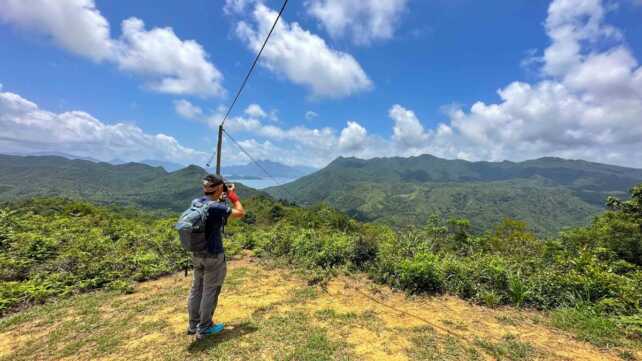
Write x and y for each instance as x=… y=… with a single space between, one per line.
x=271 y=314
x=508 y=348
x=589 y=326
x=428 y=345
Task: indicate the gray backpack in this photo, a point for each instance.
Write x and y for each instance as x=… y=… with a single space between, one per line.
x=191 y=225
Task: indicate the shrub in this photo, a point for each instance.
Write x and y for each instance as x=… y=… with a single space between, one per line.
x=458 y=277
x=422 y=273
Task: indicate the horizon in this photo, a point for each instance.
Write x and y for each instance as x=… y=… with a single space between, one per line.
x=399 y=79
x=315 y=169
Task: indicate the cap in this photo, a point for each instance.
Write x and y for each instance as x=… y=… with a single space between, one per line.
x=212 y=180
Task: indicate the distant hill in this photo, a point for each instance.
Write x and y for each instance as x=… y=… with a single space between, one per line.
x=130 y=184
x=168 y=166
x=275 y=169
x=548 y=193
x=56 y=154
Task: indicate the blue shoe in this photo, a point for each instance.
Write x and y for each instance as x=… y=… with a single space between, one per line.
x=212 y=330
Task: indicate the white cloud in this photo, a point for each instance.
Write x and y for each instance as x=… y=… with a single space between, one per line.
x=309 y=115
x=26 y=129
x=187 y=110
x=588 y=106
x=175 y=66
x=568 y=25
x=236 y=6
x=407 y=131
x=170 y=65
x=353 y=137
x=255 y=111
x=75 y=25
x=363 y=20
x=303 y=57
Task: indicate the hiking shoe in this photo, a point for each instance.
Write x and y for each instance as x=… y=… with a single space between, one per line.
x=212 y=330
x=191 y=331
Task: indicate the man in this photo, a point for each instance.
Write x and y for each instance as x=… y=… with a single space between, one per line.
x=209 y=265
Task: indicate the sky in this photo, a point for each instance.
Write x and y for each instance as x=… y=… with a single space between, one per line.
x=492 y=80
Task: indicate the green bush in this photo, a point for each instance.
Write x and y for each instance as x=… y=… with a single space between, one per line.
x=54 y=247
x=422 y=273
x=458 y=277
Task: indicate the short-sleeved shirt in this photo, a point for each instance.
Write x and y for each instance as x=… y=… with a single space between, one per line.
x=216 y=220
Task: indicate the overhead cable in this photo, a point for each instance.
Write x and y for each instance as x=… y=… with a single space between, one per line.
x=247 y=76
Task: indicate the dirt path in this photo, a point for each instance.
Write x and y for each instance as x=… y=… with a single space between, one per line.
x=270 y=313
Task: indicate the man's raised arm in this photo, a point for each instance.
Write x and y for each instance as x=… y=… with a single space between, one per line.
x=237 y=208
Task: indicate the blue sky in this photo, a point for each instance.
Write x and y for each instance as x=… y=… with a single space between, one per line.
x=459 y=79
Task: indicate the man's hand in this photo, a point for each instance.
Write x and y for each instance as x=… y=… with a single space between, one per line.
x=237 y=208
x=230 y=187
x=231 y=194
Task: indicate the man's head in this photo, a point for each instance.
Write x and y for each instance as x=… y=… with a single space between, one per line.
x=213 y=186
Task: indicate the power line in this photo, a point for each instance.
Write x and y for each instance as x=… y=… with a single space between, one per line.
x=247 y=76
x=257 y=163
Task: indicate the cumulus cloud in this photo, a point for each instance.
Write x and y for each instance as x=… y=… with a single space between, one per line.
x=187 y=110
x=588 y=104
x=75 y=25
x=255 y=110
x=26 y=129
x=175 y=66
x=236 y=6
x=296 y=145
x=353 y=138
x=302 y=57
x=407 y=131
x=363 y=20
x=169 y=64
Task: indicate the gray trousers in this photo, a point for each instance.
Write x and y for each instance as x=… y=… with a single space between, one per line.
x=209 y=273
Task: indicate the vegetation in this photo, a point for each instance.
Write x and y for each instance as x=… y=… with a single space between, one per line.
x=54 y=247
x=548 y=193
x=589 y=277
x=271 y=313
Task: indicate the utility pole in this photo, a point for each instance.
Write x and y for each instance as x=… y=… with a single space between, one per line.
x=218 y=149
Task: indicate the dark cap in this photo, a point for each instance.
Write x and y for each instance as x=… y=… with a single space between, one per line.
x=212 y=180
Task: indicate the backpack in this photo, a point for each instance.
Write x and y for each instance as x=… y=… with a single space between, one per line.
x=191 y=225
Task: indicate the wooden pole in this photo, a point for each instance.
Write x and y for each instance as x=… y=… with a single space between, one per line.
x=218 y=149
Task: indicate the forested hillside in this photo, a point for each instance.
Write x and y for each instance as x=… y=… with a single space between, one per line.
x=548 y=193
x=129 y=184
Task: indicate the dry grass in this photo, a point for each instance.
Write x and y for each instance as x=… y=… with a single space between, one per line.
x=271 y=313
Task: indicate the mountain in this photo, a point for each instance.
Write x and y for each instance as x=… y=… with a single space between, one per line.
x=275 y=169
x=548 y=193
x=55 y=154
x=168 y=166
x=130 y=184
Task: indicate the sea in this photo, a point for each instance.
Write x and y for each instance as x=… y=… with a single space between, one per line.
x=262 y=183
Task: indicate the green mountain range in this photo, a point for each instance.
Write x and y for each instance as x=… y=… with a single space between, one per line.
x=129 y=184
x=548 y=193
